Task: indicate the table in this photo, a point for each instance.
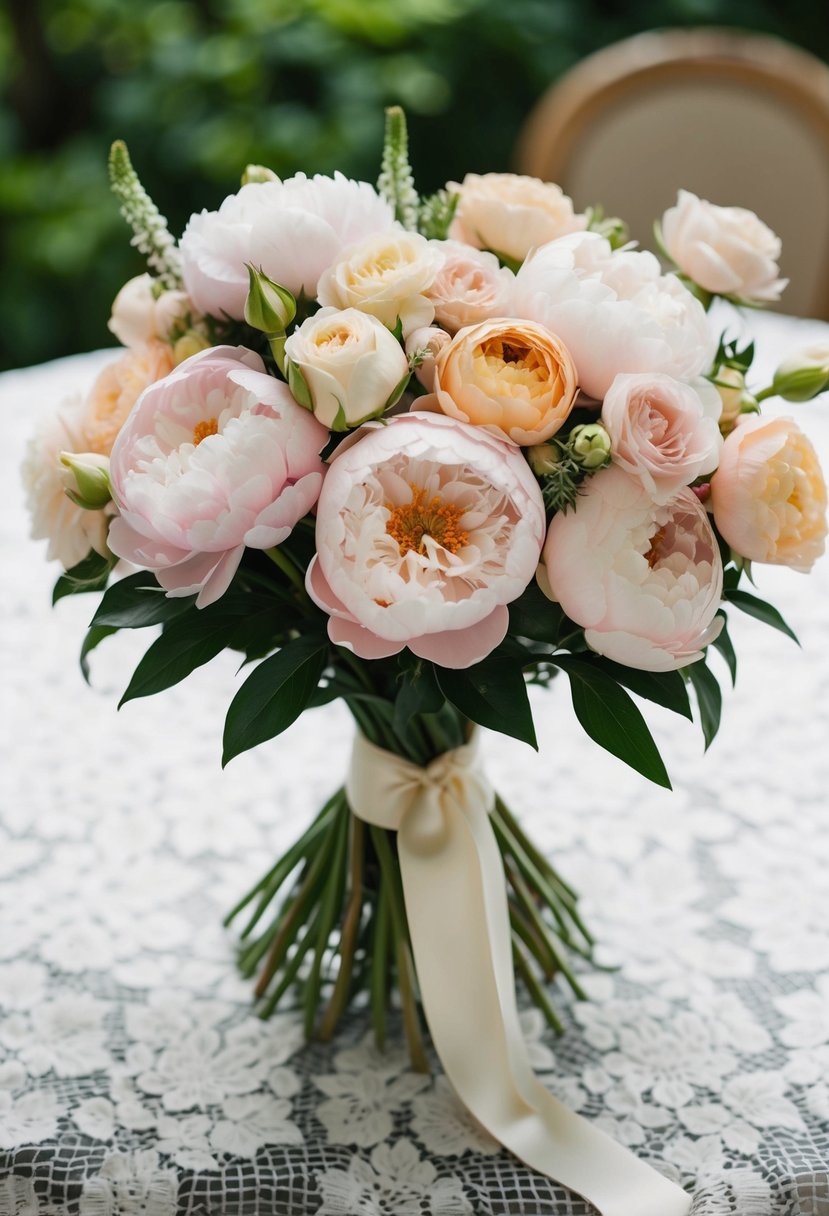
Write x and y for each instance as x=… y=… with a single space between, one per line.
x=134 y=1077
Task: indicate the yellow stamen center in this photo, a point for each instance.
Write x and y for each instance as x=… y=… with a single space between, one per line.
x=202 y=429
x=655 y=552
x=410 y=524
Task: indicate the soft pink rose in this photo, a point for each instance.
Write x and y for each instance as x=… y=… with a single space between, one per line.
x=426 y=530
x=769 y=495
x=471 y=286
x=118 y=387
x=511 y=214
x=216 y=456
x=644 y=579
x=663 y=431
x=428 y=341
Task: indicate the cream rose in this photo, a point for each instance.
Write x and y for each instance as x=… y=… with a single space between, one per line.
x=726 y=250
x=351 y=363
x=139 y=316
x=769 y=495
x=118 y=387
x=644 y=579
x=387 y=275
x=663 y=431
x=471 y=286
x=511 y=214
x=513 y=376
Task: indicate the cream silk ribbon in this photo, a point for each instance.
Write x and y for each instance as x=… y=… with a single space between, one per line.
x=456 y=905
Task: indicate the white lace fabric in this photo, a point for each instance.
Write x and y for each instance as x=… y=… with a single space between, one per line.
x=135 y=1078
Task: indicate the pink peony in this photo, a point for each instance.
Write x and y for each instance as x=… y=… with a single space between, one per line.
x=663 y=431
x=769 y=495
x=292 y=229
x=644 y=579
x=216 y=456
x=614 y=311
x=426 y=529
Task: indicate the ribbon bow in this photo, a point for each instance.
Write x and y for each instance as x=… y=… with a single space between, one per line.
x=456 y=905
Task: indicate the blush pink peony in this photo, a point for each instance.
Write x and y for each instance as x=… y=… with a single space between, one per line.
x=426 y=529
x=769 y=495
x=662 y=431
x=216 y=456
x=614 y=310
x=643 y=579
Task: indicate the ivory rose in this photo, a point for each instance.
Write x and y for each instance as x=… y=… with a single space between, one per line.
x=769 y=495
x=291 y=229
x=117 y=388
x=614 y=310
x=726 y=250
x=511 y=214
x=644 y=579
x=388 y=275
x=663 y=431
x=511 y=375
x=426 y=530
x=70 y=530
x=139 y=316
x=351 y=363
x=471 y=286
x=216 y=456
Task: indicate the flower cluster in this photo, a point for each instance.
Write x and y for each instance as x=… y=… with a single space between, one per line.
x=422 y=428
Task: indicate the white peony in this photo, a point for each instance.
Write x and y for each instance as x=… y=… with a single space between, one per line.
x=614 y=310
x=70 y=530
x=291 y=229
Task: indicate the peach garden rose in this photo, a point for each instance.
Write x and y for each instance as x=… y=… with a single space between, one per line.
x=513 y=376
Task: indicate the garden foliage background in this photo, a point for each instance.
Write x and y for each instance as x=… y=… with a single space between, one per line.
x=198 y=88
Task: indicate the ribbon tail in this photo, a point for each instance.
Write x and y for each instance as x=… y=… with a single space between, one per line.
x=457 y=910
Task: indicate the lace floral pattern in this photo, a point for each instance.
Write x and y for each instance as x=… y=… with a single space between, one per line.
x=135 y=1079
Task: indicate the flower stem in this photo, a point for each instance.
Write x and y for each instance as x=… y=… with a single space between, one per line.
x=281 y=559
x=349 y=934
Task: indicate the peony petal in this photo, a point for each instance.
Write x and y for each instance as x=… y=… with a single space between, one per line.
x=360 y=641
x=463 y=647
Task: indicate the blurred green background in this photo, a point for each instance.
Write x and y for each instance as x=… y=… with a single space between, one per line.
x=198 y=88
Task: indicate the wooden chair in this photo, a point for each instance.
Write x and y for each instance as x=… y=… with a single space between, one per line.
x=740 y=119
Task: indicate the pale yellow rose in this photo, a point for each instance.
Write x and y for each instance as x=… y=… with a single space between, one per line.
x=514 y=376
x=768 y=494
x=117 y=389
x=386 y=275
x=511 y=214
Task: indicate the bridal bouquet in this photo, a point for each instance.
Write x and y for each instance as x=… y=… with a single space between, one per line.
x=417 y=454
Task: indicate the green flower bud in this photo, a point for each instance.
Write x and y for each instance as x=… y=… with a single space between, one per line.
x=258 y=173
x=590 y=446
x=269 y=307
x=86 y=479
x=544 y=458
x=803 y=375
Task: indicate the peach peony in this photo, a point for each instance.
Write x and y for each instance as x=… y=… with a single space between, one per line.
x=644 y=579
x=513 y=376
x=117 y=388
x=511 y=214
x=769 y=495
x=426 y=530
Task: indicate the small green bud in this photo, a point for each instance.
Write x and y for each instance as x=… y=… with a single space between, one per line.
x=269 y=307
x=86 y=479
x=544 y=458
x=258 y=173
x=803 y=375
x=590 y=446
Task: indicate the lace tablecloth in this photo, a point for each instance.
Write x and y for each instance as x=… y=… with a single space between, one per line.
x=134 y=1078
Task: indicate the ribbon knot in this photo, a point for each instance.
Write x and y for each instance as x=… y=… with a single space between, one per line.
x=456 y=906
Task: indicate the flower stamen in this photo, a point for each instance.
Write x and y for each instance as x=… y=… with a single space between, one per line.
x=411 y=523
x=202 y=429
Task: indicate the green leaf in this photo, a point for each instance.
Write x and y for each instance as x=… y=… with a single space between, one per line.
x=190 y=641
x=533 y=616
x=493 y=694
x=709 y=699
x=138 y=601
x=724 y=645
x=665 y=688
x=274 y=695
x=94 y=635
x=759 y=609
x=612 y=719
x=418 y=693
x=90 y=574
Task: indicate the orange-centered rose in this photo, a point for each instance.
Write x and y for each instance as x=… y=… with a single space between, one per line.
x=511 y=375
